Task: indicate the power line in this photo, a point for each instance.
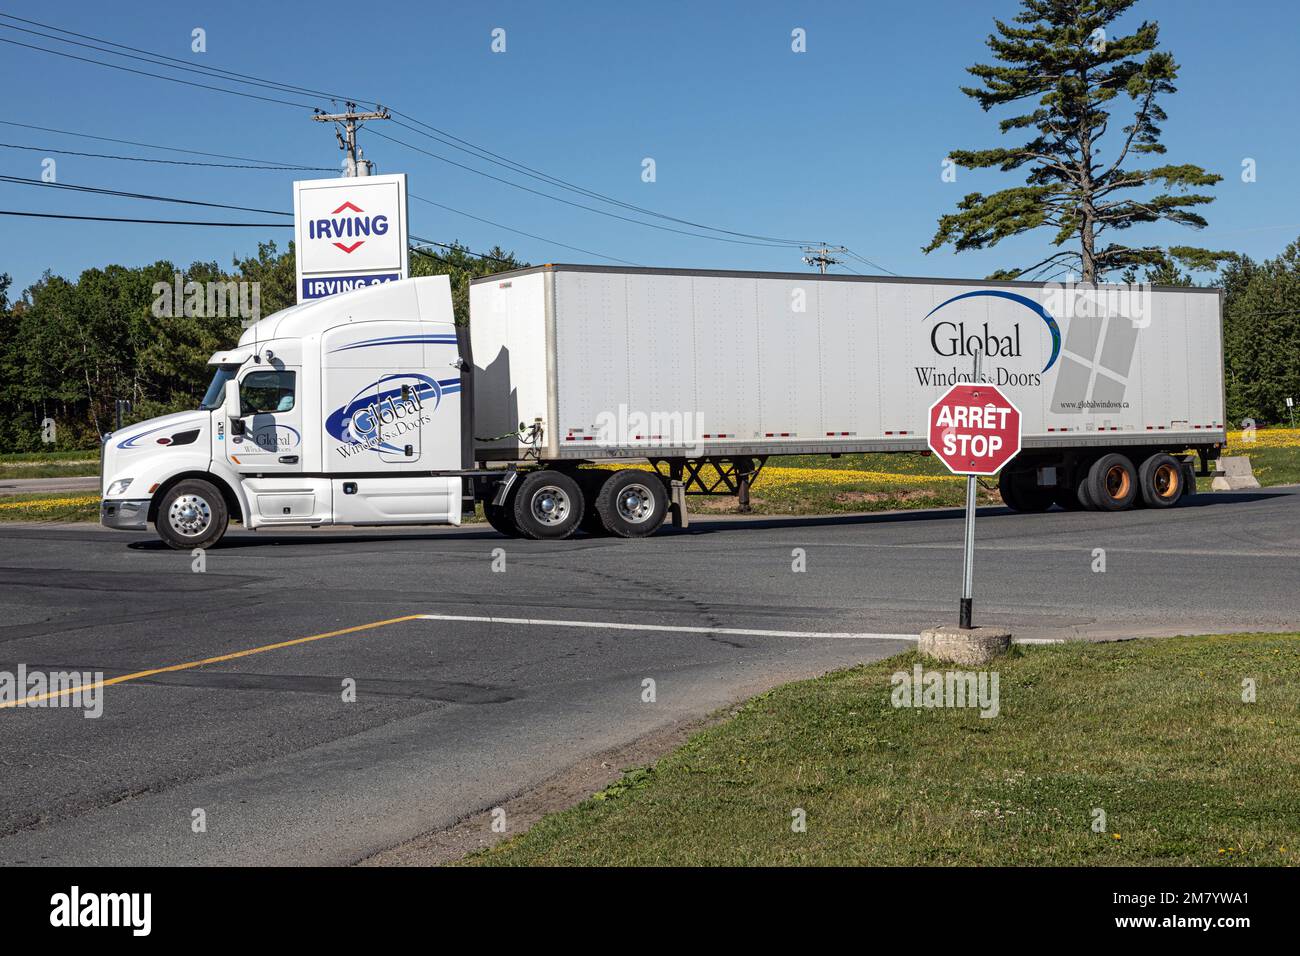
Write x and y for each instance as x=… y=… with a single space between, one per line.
x=24 y=181
x=866 y=261
x=150 y=222
x=452 y=245
x=477 y=151
x=184 y=64
x=170 y=149
x=167 y=162
x=569 y=202
x=195 y=202
x=429 y=131
x=554 y=242
x=499 y=160
x=158 y=76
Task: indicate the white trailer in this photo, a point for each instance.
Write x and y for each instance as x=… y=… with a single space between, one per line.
x=373 y=408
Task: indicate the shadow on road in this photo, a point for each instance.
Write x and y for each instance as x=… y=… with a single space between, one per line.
x=703 y=524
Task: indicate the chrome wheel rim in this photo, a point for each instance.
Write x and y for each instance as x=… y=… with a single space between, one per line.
x=636 y=504
x=189 y=515
x=550 y=505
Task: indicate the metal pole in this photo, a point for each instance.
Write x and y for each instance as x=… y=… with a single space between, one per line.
x=968 y=553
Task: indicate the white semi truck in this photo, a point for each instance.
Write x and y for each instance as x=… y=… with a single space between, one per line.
x=373 y=408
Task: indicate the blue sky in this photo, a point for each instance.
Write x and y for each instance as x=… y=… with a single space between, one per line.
x=842 y=143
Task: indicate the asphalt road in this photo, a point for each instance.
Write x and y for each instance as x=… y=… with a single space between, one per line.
x=39 y=486
x=454 y=716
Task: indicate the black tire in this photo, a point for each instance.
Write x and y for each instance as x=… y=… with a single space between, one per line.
x=501 y=518
x=1020 y=492
x=592 y=480
x=1082 y=492
x=548 y=505
x=1162 y=481
x=1112 y=483
x=192 y=514
x=1067 y=496
x=632 y=503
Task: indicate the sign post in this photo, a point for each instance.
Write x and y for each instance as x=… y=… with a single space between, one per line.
x=974 y=430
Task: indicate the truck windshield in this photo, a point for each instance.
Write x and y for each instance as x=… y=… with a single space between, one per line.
x=216 y=393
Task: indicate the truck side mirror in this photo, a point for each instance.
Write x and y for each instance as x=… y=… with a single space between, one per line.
x=232 y=409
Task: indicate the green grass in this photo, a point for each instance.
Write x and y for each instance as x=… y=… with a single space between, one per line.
x=1153 y=732
x=57 y=464
x=900 y=463
x=1276 y=466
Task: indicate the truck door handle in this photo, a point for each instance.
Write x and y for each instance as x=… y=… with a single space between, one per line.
x=288 y=459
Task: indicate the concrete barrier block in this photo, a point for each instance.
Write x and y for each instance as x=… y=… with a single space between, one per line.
x=1237 y=473
x=971 y=647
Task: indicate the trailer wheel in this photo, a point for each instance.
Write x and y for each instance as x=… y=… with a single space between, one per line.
x=1112 y=483
x=1020 y=491
x=632 y=503
x=548 y=505
x=192 y=514
x=1161 y=480
x=1067 y=496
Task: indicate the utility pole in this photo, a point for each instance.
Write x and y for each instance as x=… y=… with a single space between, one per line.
x=357 y=165
x=823 y=256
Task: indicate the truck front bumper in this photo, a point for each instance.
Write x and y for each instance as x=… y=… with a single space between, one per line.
x=124 y=514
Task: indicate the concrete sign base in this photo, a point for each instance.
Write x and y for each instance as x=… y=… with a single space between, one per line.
x=970 y=647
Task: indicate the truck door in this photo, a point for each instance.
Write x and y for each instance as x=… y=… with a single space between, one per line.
x=270 y=441
x=400 y=404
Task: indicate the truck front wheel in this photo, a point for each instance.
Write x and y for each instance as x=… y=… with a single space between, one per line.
x=192 y=514
x=548 y=505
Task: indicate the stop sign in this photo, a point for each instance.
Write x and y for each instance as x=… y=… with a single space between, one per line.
x=974 y=429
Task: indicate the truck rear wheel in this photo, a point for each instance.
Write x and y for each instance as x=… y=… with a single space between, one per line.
x=192 y=514
x=501 y=518
x=548 y=505
x=1161 y=481
x=632 y=503
x=1112 y=483
x=1067 y=496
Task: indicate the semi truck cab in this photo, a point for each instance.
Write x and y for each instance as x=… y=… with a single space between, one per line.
x=344 y=410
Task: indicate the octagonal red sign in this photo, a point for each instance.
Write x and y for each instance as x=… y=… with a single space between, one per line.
x=974 y=429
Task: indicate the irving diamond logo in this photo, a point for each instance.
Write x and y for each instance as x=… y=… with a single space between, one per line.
x=342 y=226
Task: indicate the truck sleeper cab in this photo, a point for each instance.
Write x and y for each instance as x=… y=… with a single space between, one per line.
x=336 y=411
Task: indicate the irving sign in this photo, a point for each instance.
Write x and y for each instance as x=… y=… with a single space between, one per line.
x=349 y=233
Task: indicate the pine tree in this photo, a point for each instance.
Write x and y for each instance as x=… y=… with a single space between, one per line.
x=1059 y=65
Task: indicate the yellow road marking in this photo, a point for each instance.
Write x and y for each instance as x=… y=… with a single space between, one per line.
x=171 y=668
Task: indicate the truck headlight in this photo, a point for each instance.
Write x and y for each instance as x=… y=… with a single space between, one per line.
x=118 y=487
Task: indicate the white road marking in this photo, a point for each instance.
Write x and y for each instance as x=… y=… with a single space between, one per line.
x=679 y=628
x=687 y=629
